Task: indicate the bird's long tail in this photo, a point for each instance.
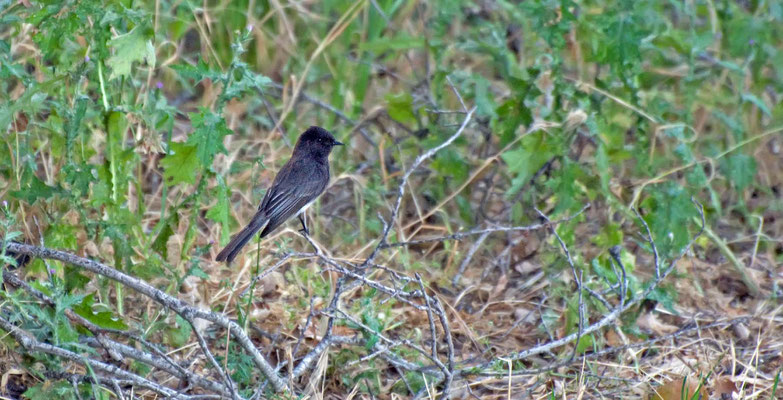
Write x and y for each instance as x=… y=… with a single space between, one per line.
x=230 y=252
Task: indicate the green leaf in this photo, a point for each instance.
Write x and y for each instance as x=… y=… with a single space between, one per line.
x=750 y=97
x=485 y=105
x=104 y=319
x=196 y=271
x=208 y=132
x=401 y=107
x=602 y=166
x=248 y=82
x=450 y=162
x=198 y=72
x=671 y=210
x=610 y=235
x=602 y=267
x=740 y=169
x=666 y=296
x=400 y=42
x=47 y=390
x=78 y=177
x=35 y=190
x=116 y=125
x=181 y=164
x=74 y=122
x=74 y=279
x=220 y=211
x=566 y=187
x=179 y=335
x=525 y=160
x=128 y=48
x=160 y=242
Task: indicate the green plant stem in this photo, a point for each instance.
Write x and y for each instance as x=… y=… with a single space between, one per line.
x=120 y=302
x=103 y=86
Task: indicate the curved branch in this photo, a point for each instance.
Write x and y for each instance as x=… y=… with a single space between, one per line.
x=178 y=306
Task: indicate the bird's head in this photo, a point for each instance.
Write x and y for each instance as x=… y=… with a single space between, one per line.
x=316 y=140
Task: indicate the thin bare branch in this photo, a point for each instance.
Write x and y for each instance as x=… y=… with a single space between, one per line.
x=172 y=303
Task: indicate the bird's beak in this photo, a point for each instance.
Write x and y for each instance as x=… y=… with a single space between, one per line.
x=336 y=143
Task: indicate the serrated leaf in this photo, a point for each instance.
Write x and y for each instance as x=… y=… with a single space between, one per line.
x=526 y=159
x=197 y=272
x=485 y=105
x=220 y=211
x=248 y=82
x=671 y=210
x=160 y=242
x=116 y=127
x=208 y=132
x=565 y=185
x=35 y=190
x=78 y=177
x=198 y=72
x=181 y=164
x=75 y=122
x=129 y=48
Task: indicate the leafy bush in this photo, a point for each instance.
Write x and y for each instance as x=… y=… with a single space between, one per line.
x=143 y=134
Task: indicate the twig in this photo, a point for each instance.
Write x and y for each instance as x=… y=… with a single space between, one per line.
x=361 y=279
x=650 y=240
x=577 y=279
x=433 y=332
x=614 y=251
x=615 y=313
x=119 y=350
x=444 y=322
x=172 y=303
x=266 y=272
x=613 y=350
x=401 y=188
x=31 y=345
x=482 y=231
x=273 y=117
x=468 y=257
x=304 y=328
x=205 y=349
x=456 y=92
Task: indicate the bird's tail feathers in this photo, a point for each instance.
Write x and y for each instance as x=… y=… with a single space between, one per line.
x=230 y=252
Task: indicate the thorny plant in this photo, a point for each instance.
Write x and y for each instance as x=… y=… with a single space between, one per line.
x=126 y=123
x=109 y=346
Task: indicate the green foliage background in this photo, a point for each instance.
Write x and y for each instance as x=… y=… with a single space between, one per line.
x=127 y=123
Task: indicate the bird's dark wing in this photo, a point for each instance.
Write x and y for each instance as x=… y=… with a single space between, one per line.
x=298 y=183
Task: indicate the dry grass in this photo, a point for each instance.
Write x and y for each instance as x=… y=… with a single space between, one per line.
x=512 y=293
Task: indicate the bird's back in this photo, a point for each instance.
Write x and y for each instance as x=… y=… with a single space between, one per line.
x=299 y=183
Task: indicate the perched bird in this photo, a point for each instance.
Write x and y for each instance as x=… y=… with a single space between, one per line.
x=301 y=180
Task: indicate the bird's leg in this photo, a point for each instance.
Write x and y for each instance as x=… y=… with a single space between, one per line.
x=302 y=219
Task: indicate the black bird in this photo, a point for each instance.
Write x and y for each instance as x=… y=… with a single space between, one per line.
x=301 y=180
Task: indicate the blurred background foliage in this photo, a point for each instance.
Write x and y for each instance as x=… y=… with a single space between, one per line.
x=143 y=133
